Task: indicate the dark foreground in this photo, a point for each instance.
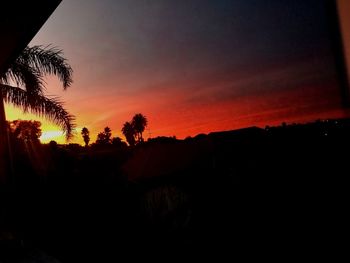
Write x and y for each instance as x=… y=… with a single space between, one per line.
x=255 y=193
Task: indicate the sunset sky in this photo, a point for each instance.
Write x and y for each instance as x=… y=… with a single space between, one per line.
x=191 y=66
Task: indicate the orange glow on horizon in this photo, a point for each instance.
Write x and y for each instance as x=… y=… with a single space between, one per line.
x=190 y=119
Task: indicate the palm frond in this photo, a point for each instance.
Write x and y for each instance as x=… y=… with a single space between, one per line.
x=49 y=108
x=24 y=75
x=48 y=60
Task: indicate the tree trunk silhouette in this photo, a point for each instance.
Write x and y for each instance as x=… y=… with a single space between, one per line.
x=4 y=153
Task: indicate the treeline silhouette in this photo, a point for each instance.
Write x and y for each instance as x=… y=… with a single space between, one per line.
x=236 y=193
x=131 y=130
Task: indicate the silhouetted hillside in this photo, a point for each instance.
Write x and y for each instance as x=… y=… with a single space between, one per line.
x=281 y=187
x=264 y=190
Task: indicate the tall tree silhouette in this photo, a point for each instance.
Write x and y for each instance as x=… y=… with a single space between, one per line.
x=129 y=133
x=139 y=123
x=104 y=137
x=86 y=135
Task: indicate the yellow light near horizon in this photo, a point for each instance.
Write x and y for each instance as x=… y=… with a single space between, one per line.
x=50 y=132
x=47 y=136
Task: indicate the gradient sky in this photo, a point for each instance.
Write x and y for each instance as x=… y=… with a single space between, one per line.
x=192 y=66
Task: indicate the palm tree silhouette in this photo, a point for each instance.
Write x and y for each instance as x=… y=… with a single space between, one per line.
x=86 y=136
x=129 y=133
x=139 y=123
x=27 y=74
x=23 y=86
